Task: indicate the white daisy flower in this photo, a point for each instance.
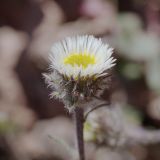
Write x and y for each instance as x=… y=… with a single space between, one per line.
x=78 y=69
x=81 y=56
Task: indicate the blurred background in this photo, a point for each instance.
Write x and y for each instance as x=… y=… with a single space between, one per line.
x=28 y=28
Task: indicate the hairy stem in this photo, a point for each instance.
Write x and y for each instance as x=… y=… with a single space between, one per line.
x=79 y=120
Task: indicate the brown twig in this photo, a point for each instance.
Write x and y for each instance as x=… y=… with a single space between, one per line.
x=94 y=108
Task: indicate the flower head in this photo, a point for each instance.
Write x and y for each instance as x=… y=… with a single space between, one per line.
x=81 y=56
x=79 y=67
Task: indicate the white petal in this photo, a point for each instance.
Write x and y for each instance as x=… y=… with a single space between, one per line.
x=79 y=45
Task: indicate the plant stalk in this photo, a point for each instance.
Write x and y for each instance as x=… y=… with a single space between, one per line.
x=79 y=121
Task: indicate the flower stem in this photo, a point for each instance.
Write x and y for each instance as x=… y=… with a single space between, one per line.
x=79 y=120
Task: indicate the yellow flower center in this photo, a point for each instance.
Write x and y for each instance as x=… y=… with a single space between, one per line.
x=82 y=59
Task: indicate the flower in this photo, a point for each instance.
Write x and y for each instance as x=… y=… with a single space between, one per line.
x=83 y=56
x=79 y=66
